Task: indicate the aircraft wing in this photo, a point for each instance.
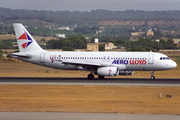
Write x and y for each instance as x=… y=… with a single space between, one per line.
x=92 y=65
x=81 y=63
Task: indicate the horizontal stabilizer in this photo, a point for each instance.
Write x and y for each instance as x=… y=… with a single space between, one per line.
x=20 y=55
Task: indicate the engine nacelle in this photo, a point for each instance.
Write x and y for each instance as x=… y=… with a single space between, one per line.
x=108 y=71
x=126 y=72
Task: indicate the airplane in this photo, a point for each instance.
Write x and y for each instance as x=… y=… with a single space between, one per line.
x=98 y=63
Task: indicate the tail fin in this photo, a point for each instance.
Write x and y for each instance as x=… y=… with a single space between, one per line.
x=26 y=43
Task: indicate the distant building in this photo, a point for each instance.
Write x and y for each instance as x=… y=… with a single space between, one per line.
x=99 y=32
x=137 y=34
x=60 y=36
x=141 y=33
x=96 y=40
x=63 y=28
x=88 y=39
x=110 y=45
x=134 y=34
x=149 y=33
x=157 y=40
x=176 y=41
x=93 y=46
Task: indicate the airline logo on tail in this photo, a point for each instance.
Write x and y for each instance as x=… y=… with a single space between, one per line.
x=25 y=36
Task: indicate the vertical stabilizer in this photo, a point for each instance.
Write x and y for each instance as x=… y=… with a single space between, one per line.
x=26 y=42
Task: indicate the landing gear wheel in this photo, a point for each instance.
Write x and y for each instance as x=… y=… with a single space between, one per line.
x=152 y=78
x=152 y=75
x=100 y=77
x=90 y=76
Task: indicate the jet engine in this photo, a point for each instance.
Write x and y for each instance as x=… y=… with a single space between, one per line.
x=126 y=72
x=108 y=71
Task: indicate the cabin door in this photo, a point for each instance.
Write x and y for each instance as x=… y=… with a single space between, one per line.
x=151 y=59
x=42 y=58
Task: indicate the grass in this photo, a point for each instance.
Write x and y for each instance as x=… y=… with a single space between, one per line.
x=89 y=99
x=4 y=37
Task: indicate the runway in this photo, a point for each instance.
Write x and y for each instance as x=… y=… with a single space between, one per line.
x=81 y=116
x=85 y=81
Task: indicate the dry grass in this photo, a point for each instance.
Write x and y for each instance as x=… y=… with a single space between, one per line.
x=106 y=99
x=4 y=37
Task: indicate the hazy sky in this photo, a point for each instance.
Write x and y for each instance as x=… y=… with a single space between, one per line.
x=88 y=5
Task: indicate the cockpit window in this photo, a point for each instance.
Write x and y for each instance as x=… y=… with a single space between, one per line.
x=164 y=58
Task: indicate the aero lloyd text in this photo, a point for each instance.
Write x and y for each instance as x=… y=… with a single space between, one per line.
x=131 y=62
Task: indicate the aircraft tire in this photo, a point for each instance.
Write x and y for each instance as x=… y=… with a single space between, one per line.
x=90 y=77
x=152 y=78
x=100 y=77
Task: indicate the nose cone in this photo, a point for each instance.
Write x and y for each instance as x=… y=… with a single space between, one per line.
x=172 y=64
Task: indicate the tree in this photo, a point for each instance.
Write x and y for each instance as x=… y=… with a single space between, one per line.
x=67 y=49
x=6 y=44
x=1 y=54
x=73 y=42
x=170 y=44
x=120 y=42
x=157 y=34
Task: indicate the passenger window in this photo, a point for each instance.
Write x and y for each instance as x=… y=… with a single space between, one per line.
x=160 y=58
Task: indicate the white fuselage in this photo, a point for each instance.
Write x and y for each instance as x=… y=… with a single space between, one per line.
x=128 y=61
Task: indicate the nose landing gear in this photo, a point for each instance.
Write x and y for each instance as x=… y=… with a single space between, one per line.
x=152 y=75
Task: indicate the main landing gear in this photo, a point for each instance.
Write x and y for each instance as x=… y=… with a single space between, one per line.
x=100 y=77
x=91 y=76
x=152 y=75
